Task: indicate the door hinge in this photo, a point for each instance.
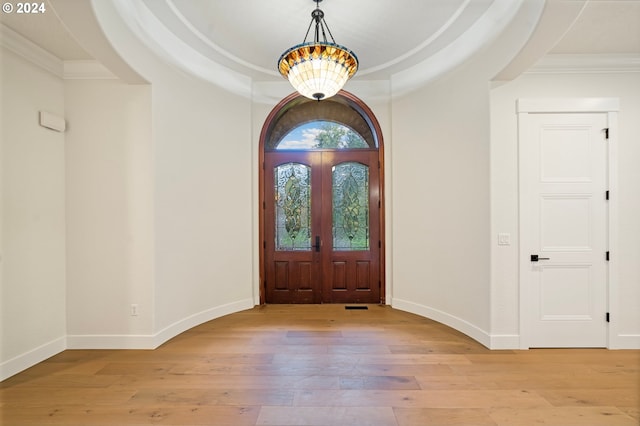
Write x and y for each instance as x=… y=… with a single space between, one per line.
x=606 y=195
x=379 y=244
x=607 y=255
x=608 y=317
x=264 y=205
x=379 y=204
x=606 y=133
x=264 y=244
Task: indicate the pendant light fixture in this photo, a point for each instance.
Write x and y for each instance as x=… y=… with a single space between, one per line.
x=318 y=69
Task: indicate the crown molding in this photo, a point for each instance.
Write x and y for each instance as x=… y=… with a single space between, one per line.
x=86 y=70
x=30 y=51
x=586 y=63
x=68 y=70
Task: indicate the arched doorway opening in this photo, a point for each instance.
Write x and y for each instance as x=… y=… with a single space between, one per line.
x=321 y=202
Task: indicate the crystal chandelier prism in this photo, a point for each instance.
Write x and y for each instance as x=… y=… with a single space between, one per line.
x=318 y=69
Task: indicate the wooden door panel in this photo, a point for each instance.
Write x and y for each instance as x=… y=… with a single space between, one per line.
x=355 y=275
x=292 y=282
x=338 y=276
x=363 y=278
x=293 y=275
x=281 y=275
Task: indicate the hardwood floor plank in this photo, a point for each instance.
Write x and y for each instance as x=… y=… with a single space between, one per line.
x=370 y=359
x=450 y=382
x=573 y=416
x=231 y=382
x=240 y=397
x=338 y=416
x=33 y=396
x=443 y=417
x=593 y=396
x=379 y=383
x=420 y=399
x=439 y=348
x=82 y=415
x=357 y=349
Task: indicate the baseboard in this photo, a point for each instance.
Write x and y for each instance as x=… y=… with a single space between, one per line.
x=452 y=321
x=199 y=318
x=31 y=358
x=110 y=341
x=152 y=341
x=505 y=341
x=625 y=341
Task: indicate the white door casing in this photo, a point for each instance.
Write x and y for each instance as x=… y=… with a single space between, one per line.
x=564 y=219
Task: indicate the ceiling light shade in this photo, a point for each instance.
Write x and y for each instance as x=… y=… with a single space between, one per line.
x=318 y=69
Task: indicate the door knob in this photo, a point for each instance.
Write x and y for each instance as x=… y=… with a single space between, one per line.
x=317 y=244
x=535 y=258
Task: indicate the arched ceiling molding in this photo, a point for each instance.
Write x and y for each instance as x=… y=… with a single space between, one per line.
x=486 y=29
x=148 y=28
x=557 y=18
x=422 y=45
x=187 y=54
x=206 y=40
x=82 y=21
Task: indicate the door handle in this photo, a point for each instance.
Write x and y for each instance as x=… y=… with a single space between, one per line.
x=317 y=244
x=535 y=258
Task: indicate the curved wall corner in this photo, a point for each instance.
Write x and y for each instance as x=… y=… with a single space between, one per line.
x=200 y=255
x=445 y=318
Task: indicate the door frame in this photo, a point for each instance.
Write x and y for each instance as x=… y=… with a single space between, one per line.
x=376 y=130
x=609 y=106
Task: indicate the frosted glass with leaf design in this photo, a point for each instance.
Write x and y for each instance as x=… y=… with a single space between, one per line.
x=350 y=207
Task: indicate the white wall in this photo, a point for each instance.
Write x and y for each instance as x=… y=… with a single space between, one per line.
x=625 y=314
x=440 y=196
x=32 y=263
x=203 y=201
x=441 y=186
x=109 y=212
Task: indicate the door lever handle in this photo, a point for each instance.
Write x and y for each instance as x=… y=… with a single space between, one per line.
x=317 y=244
x=535 y=258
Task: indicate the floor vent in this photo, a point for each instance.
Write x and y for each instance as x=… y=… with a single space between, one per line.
x=357 y=307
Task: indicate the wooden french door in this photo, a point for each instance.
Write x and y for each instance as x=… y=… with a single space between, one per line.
x=322 y=227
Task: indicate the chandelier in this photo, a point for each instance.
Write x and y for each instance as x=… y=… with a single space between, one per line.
x=320 y=68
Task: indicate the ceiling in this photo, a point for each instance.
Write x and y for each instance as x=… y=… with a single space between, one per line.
x=387 y=35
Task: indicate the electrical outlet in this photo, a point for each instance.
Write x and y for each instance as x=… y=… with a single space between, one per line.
x=134 y=310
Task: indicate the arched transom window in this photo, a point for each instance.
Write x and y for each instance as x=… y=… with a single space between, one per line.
x=335 y=123
x=321 y=134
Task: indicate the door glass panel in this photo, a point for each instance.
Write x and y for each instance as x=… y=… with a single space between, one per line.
x=350 y=206
x=293 y=207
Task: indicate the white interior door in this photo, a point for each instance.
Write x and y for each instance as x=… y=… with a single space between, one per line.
x=563 y=221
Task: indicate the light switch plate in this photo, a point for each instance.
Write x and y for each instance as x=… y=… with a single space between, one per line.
x=504 y=239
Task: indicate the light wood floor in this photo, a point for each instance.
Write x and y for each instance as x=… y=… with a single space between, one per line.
x=325 y=365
